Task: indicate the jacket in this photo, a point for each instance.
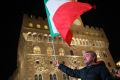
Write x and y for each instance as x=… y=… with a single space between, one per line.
x=97 y=71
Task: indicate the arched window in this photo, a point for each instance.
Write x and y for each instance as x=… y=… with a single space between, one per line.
x=65 y=77
x=49 y=38
x=77 y=41
x=80 y=41
x=40 y=77
x=49 y=51
x=36 y=77
x=40 y=37
x=83 y=42
x=104 y=54
x=87 y=43
x=97 y=43
x=45 y=37
x=100 y=44
x=73 y=42
x=34 y=35
x=29 y=36
x=53 y=77
x=61 y=52
x=94 y=43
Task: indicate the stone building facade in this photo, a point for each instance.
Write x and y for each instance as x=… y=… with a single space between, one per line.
x=37 y=50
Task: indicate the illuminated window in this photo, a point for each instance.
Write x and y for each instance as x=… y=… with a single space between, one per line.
x=30 y=24
x=45 y=26
x=118 y=63
x=61 y=52
x=36 y=50
x=38 y=26
x=49 y=51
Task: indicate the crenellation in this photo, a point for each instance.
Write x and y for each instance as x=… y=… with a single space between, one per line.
x=33 y=22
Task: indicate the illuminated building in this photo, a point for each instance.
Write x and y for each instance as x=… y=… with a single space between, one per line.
x=36 y=53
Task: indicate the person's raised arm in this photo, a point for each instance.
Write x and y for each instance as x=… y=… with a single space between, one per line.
x=71 y=72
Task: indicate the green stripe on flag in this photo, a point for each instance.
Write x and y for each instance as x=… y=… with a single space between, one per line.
x=49 y=22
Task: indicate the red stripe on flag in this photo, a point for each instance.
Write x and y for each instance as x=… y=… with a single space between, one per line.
x=65 y=16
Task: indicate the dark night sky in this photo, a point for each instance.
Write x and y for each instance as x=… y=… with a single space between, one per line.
x=106 y=15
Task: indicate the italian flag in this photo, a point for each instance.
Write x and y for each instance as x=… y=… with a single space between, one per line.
x=61 y=15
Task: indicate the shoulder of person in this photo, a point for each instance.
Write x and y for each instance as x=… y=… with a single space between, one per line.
x=100 y=63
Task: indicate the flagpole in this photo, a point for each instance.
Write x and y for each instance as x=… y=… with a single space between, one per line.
x=49 y=23
x=53 y=45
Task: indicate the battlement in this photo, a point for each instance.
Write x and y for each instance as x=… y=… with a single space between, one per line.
x=34 y=22
x=94 y=31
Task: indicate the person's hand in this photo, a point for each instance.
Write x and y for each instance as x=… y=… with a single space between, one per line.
x=56 y=63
